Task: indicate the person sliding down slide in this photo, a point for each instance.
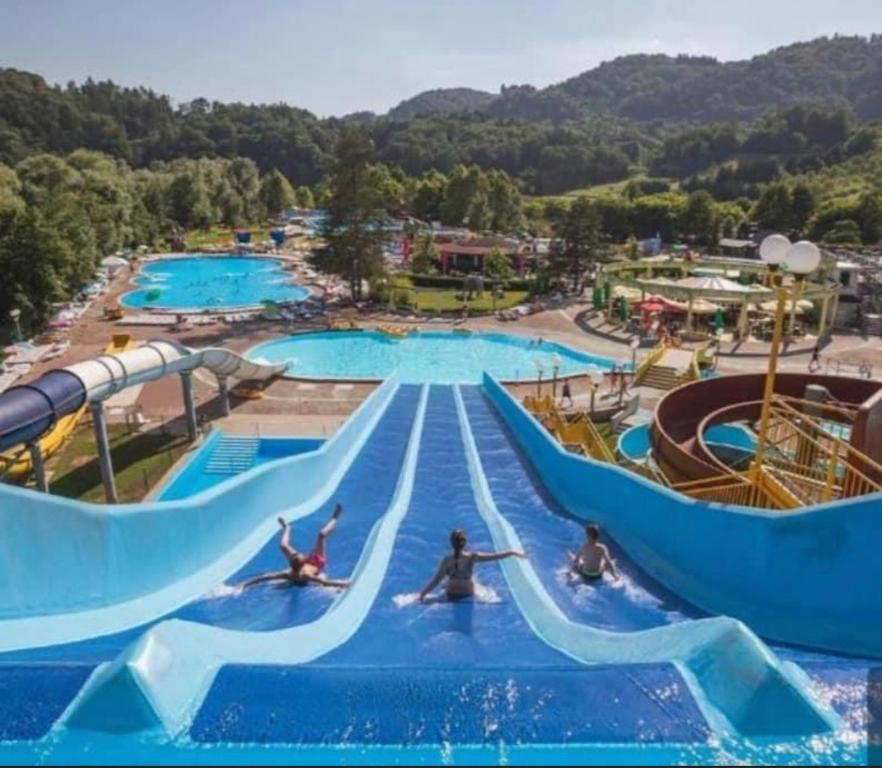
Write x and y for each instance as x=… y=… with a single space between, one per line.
x=458 y=568
x=593 y=559
x=304 y=569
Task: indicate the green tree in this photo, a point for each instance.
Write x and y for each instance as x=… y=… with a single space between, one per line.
x=577 y=245
x=276 y=193
x=428 y=196
x=870 y=216
x=355 y=213
x=699 y=218
x=803 y=205
x=425 y=256
x=844 y=232
x=506 y=214
x=774 y=209
x=305 y=198
x=188 y=201
x=497 y=266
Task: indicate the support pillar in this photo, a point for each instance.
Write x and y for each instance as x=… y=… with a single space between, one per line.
x=742 y=320
x=224 y=392
x=189 y=407
x=825 y=306
x=791 y=326
x=689 y=314
x=833 y=313
x=39 y=468
x=104 y=460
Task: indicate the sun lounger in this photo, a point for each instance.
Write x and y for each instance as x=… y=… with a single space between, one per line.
x=147 y=320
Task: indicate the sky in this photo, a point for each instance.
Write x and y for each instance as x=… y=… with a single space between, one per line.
x=334 y=57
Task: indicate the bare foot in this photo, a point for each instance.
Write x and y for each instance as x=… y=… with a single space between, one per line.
x=282 y=521
x=338 y=510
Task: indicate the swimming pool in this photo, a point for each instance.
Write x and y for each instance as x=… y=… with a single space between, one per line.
x=212 y=282
x=428 y=356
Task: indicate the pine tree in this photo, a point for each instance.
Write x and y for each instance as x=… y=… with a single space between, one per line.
x=355 y=213
x=577 y=245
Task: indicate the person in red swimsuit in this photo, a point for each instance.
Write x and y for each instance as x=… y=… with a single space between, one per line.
x=304 y=569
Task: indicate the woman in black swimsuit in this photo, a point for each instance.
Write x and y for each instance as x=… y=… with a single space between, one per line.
x=457 y=568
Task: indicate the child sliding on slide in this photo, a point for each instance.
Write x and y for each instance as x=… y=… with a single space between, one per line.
x=593 y=559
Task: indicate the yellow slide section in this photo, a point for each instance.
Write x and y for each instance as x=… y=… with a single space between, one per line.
x=16 y=462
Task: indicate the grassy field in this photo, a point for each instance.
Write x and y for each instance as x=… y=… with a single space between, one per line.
x=445 y=300
x=140 y=459
x=223 y=235
x=431 y=300
x=613 y=189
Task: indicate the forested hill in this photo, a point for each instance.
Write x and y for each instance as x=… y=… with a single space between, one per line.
x=441 y=100
x=838 y=71
x=653 y=112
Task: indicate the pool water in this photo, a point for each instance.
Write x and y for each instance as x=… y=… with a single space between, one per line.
x=212 y=282
x=429 y=356
x=223 y=456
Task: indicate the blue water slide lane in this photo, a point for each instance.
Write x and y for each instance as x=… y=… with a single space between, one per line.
x=548 y=532
x=470 y=672
x=159 y=681
x=123 y=552
x=27 y=411
x=741 y=687
x=365 y=492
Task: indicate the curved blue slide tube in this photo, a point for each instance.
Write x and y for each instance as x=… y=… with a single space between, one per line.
x=26 y=412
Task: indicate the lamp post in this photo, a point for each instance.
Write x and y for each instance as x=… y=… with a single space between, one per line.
x=595 y=379
x=15 y=316
x=635 y=345
x=556 y=364
x=802 y=259
x=540 y=369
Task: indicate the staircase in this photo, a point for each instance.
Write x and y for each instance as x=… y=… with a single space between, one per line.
x=666 y=368
x=232 y=455
x=871 y=324
x=662 y=377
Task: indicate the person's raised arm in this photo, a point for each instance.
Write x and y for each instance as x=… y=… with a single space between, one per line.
x=489 y=557
x=323 y=582
x=435 y=580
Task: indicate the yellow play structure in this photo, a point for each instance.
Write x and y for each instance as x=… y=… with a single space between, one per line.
x=16 y=462
x=576 y=433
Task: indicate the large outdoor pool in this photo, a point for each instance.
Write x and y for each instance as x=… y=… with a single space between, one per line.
x=429 y=356
x=212 y=282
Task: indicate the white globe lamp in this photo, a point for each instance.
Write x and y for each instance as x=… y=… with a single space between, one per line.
x=803 y=258
x=773 y=250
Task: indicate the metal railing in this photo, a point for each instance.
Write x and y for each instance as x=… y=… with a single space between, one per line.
x=740 y=489
x=815 y=464
x=650 y=360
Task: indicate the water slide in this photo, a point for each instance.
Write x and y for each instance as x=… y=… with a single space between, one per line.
x=472 y=672
x=751 y=564
x=503 y=668
x=680 y=449
x=205 y=620
x=17 y=462
x=31 y=410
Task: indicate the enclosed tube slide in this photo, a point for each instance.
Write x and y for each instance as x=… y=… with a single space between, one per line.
x=30 y=410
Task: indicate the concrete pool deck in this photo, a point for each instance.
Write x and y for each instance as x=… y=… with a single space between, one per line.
x=316 y=408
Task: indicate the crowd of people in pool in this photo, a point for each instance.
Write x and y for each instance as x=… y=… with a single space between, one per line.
x=589 y=563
